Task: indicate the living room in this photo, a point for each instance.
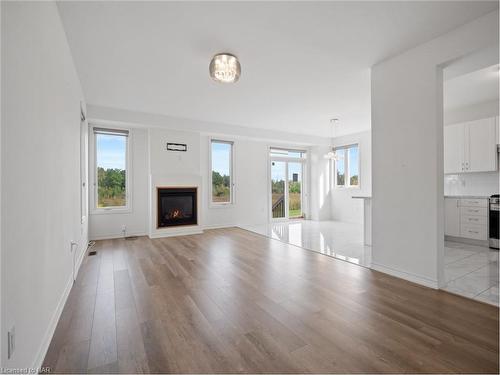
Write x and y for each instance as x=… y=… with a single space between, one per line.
x=223 y=187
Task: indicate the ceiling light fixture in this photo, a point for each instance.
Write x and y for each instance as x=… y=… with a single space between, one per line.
x=332 y=154
x=225 y=68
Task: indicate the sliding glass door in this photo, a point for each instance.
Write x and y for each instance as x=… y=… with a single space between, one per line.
x=294 y=190
x=287 y=184
x=278 y=199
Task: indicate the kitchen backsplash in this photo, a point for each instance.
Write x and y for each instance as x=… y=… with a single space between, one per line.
x=472 y=184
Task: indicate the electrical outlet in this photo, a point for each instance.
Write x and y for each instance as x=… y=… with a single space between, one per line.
x=11 y=342
x=124 y=229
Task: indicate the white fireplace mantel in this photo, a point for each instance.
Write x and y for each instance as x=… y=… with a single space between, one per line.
x=173 y=180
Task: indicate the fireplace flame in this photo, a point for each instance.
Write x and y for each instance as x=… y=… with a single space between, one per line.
x=175 y=214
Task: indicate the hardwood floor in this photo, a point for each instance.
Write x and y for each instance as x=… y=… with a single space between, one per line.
x=232 y=301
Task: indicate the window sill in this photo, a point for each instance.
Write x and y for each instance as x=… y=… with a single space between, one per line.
x=103 y=211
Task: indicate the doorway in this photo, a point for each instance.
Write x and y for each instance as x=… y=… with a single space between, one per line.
x=469 y=264
x=287 y=184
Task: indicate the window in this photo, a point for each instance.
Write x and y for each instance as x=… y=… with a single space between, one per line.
x=111 y=149
x=222 y=171
x=346 y=173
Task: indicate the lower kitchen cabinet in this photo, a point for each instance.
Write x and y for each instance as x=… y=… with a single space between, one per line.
x=466 y=218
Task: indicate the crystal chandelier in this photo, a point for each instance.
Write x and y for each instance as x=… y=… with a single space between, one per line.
x=225 y=68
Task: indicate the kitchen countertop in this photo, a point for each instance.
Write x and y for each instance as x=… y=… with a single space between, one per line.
x=468 y=196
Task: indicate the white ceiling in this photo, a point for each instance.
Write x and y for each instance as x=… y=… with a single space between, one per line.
x=472 y=88
x=302 y=62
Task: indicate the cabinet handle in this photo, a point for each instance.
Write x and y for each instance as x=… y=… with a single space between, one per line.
x=474 y=231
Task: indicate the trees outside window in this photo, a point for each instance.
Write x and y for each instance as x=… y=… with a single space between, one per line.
x=110 y=168
x=346 y=173
x=221 y=173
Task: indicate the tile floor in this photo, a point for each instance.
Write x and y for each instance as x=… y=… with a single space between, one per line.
x=471 y=271
x=333 y=238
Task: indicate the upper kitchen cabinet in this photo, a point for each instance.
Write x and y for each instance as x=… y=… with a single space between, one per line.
x=482 y=145
x=471 y=147
x=454 y=148
x=498 y=129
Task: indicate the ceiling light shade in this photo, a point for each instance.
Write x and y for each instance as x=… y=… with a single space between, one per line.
x=225 y=68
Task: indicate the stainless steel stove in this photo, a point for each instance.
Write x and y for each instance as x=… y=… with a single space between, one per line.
x=494 y=224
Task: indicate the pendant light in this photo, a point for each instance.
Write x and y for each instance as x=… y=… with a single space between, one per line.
x=332 y=154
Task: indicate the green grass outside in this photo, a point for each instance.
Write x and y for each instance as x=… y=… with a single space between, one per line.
x=294 y=213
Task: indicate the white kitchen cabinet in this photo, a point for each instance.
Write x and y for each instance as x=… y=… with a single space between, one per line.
x=452 y=217
x=471 y=147
x=497 y=120
x=466 y=217
x=454 y=148
x=482 y=146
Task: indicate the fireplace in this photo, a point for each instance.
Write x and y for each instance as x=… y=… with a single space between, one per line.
x=176 y=206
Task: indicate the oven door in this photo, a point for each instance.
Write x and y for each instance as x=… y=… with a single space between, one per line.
x=494 y=225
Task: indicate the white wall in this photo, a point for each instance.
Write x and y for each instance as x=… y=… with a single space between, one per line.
x=172 y=162
x=344 y=207
x=109 y=225
x=251 y=148
x=407 y=152
x=320 y=177
x=473 y=112
x=40 y=175
x=1 y=122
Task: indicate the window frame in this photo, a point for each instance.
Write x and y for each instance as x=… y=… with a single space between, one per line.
x=232 y=184
x=347 y=177
x=95 y=210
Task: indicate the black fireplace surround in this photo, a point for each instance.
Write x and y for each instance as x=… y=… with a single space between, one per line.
x=177 y=206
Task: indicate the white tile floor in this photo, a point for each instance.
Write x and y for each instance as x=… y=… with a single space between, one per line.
x=471 y=271
x=333 y=238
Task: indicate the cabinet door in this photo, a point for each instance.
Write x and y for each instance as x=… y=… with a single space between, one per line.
x=498 y=129
x=451 y=217
x=481 y=145
x=454 y=148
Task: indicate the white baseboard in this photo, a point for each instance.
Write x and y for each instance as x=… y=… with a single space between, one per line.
x=176 y=233
x=115 y=236
x=49 y=333
x=422 y=280
x=221 y=226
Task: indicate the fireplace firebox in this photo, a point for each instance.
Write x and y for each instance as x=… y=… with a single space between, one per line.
x=177 y=206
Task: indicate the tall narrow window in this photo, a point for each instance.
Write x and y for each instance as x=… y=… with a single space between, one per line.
x=346 y=173
x=340 y=163
x=222 y=169
x=111 y=168
x=353 y=165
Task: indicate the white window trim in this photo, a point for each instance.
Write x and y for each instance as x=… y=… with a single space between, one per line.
x=346 y=168
x=94 y=210
x=232 y=200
